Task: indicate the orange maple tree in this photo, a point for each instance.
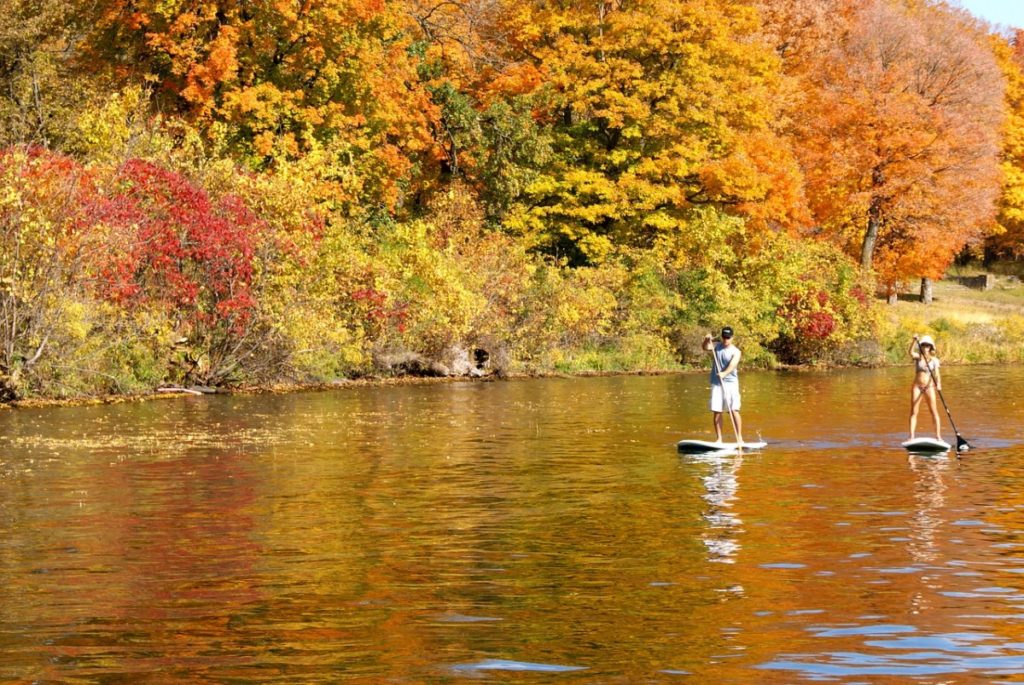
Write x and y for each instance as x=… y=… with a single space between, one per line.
x=897 y=135
x=282 y=78
x=1008 y=239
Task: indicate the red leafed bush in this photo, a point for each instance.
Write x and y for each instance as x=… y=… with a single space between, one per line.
x=174 y=247
x=378 y=313
x=816 y=325
x=151 y=241
x=857 y=293
x=181 y=249
x=810 y=325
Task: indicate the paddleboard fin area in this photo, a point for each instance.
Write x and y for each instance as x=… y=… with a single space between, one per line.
x=706 y=446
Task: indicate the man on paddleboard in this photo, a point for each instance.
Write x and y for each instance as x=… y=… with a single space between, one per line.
x=725 y=383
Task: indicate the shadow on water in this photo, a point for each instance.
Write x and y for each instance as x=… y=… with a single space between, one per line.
x=516 y=531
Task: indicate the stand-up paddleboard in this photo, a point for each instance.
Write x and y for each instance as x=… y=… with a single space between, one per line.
x=927 y=445
x=705 y=446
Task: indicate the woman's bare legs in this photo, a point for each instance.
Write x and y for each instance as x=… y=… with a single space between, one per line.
x=930 y=394
x=915 y=404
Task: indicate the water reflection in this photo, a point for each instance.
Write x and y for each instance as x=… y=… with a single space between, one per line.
x=724 y=525
x=941 y=533
x=513 y=531
x=929 y=498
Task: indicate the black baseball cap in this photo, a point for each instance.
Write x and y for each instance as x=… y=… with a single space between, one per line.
x=727 y=332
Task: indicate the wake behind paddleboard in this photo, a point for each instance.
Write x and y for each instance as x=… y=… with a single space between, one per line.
x=705 y=446
x=927 y=445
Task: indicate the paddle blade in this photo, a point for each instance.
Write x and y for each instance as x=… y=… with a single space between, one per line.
x=961 y=444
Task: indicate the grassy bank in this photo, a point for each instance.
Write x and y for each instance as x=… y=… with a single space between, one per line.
x=970 y=326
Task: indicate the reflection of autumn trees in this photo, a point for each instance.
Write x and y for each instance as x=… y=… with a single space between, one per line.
x=474 y=494
x=364 y=532
x=143 y=564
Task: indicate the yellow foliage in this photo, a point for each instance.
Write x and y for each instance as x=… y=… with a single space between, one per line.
x=120 y=128
x=657 y=107
x=1008 y=236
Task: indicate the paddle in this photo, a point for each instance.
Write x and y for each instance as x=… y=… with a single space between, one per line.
x=725 y=395
x=961 y=444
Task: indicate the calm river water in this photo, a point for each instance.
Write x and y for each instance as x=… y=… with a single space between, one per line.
x=522 y=531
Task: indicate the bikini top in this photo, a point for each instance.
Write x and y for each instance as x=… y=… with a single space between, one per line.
x=926 y=366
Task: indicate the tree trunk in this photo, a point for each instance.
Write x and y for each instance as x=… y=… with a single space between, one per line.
x=867 y=249
x=893 y=293
x=926 y=291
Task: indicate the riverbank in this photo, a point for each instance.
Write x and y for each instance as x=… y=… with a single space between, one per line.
x=287 y=388
x=970 y=327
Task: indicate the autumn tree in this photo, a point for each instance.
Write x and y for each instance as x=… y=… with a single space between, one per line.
x=334 y=77
x=50 y=208
x=653 y=108
x=1008 y=239
x=41 y=90
x=897 y=136
x=801 y=32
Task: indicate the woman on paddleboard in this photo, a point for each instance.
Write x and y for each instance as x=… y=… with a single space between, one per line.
x=725 y=383
x=926 y=381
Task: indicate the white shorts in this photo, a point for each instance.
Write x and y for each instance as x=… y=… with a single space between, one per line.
x=732 y=397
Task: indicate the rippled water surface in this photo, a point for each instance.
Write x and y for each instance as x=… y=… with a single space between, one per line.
x=534 y=531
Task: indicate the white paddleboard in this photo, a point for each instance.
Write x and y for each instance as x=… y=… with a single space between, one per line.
x=705 y=446
x=927 y=445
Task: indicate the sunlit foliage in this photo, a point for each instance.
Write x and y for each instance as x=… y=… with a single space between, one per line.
x=282 y=79
x=1008 y=240
x=898 y=131
x=654 y=109
x=232 y=193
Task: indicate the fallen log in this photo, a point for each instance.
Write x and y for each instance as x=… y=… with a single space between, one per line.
x=187 y=391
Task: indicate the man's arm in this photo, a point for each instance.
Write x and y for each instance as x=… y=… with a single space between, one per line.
x=732 y=364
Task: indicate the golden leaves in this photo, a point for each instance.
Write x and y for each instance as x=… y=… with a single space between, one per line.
x=220 y=66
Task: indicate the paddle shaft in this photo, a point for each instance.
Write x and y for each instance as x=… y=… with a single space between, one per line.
x=725 y=395
x=959 y=438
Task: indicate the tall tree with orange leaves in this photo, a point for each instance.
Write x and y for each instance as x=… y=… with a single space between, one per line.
x=802 y=31
x=898 y=136
x=1008 y=239
x=284 y=78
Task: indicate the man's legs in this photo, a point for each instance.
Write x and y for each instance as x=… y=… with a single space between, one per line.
x=738 y=427
x=731 y=398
